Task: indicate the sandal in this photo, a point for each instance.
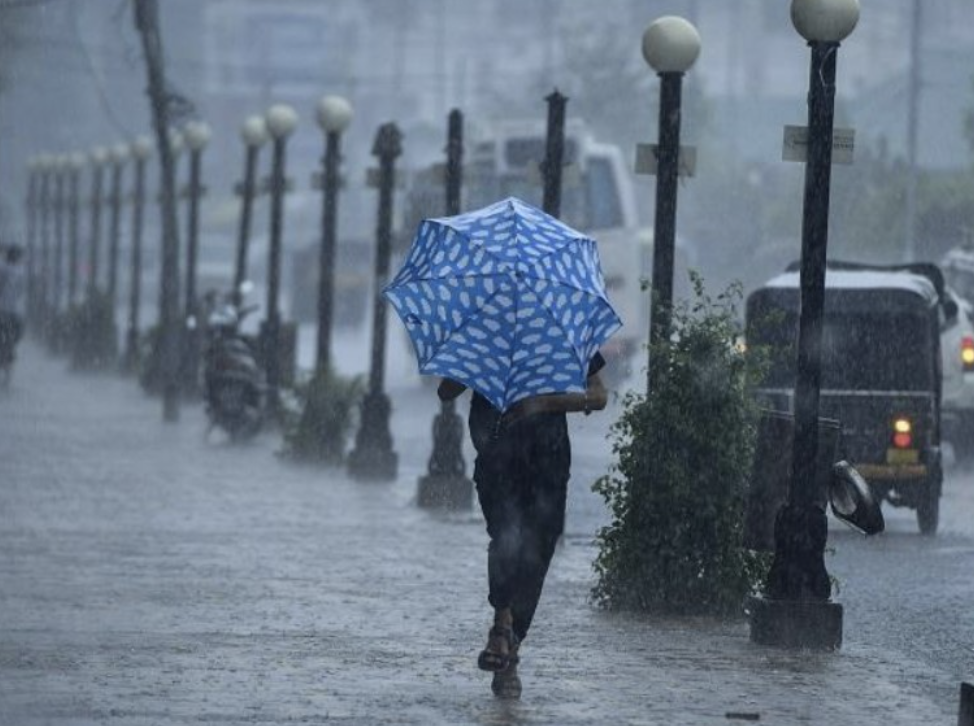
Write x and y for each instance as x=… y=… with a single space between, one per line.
x=491 y=659
x=507 y=683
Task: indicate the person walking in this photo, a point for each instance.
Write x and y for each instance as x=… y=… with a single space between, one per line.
x=521 y=472
x=12 y=288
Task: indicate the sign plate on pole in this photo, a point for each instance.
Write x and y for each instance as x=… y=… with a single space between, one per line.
x=647 y=163
x=795 y=146
x=318 y=181
x=372 y=177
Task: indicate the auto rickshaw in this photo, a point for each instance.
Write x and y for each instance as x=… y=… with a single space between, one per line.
x=881 y=370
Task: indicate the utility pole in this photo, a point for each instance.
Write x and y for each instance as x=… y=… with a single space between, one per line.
x=912 y=124
x=147 y=23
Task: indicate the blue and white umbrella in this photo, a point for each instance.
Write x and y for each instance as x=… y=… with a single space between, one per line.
x=506 y=299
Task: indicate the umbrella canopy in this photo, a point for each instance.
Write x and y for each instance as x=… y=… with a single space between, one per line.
x=506 y=299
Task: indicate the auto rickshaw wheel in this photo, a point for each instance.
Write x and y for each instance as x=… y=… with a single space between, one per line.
x=928 y=511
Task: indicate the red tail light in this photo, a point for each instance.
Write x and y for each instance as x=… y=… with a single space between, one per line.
x=902 y=433
x=967 y=353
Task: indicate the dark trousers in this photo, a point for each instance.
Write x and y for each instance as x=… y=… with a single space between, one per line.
x=522 y=483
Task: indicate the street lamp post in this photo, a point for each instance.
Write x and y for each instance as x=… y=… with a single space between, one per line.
x=197 y=135
x=254 y=135
x=334 y=115
x=797 y=610
x=670 y=46
x=61 y=166
x=281 y=121
x=446 y=483
x=97 y=159
x=45 y=166
x=140 y=150
x=118 y=155
x=33 y=176
x=373 y=457
x=77 y=162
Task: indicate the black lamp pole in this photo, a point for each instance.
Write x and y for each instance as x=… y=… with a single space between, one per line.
x=664 y=227
x=74 y=234
x=254 y=134
x=334 y=114
x=373 y=457
x=247 y=194
x=670 y=46
x=196 y=136
x=43 y=277
x=94 y=243
x=798 y=571
x=192 y=231
x=31 y=204
x=280 y=122
x=118 y=155
x=796 y=609
x=272 y=339
x=141 y=148
x=326 y=263
x=554 y=161
x=60 y=207
x=54 y=252
x=446 y=483
x=815 y=220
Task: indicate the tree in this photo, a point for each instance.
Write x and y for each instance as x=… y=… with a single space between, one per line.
x=147 y=23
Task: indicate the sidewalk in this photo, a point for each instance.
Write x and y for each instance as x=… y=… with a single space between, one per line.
x=151 y=576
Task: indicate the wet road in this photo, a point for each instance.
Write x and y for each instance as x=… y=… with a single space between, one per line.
x=152 y=576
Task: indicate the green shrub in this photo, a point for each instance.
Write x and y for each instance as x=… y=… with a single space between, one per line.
x=677 y=489
x=318 y=429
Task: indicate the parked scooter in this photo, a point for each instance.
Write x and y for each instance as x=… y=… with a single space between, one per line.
x=233 y=381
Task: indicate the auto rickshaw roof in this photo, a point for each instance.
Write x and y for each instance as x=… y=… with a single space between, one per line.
x=924 y=280
x=861 y=280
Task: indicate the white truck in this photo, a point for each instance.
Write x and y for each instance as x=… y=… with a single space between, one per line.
x=958 y=355
x=598 y=198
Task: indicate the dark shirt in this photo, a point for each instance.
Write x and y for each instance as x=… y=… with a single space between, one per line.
x=486 y=423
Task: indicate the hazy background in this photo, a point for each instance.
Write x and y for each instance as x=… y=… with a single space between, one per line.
x=73 y=77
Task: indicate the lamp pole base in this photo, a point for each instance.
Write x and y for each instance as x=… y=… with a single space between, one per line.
x=810 y=624
x=445 y=485
x=373 y=458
